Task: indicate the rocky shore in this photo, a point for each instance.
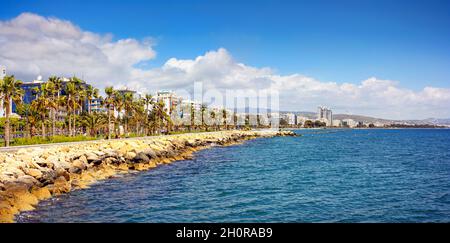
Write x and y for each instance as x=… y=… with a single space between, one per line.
x=33 y=174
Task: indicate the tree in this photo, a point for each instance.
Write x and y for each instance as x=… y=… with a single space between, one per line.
x=308 y=124
x=224 y=117
x=118 y=104
x=161 y=115
x=203 y=109
x=31 y=117
x=91 y=93
x=10 y=91
x=55 y=85
x=70 y=102
x=93 y=122
x=148 y=101
x=48 y=91
x=41 y=105
x=213 y=117
x=128 y=109
x=109 y=103
x=319 y=124
x=283 y=122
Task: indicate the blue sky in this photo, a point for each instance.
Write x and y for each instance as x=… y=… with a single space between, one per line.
x=342 y=41
x=382 y=58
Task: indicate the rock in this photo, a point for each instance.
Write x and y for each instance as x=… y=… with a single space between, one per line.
x=62 y=172
x=26 y=157
x=6 y=212
x=61 y=185
x=41 y=193
x=123 y=166
x=141 y=157
x=91 y=157
x=170 y=153
x=129 y=155
x=141 y=166
x=48 y=177
x=27 y=181
x=34 y=173
x=150 y=153
x=19 y=196
x=79 y=164
x=83 y=159
x=75 y=170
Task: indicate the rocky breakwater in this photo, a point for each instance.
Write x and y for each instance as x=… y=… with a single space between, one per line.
x=33 y=174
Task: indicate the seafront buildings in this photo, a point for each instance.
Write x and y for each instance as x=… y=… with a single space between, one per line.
x=186 y=112
x=290 y=118
x=324 y=114
x=31 y=92
x=2 y=71
x=170 y=99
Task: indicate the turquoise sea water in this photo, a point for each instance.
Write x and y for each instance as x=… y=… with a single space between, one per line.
x=324 y=176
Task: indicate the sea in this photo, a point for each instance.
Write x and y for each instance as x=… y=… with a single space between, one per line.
x=324 y=175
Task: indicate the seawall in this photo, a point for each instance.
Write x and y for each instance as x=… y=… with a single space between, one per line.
x=29 y=175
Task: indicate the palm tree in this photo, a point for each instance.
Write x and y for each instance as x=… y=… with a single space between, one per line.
x=49 y=92
x=192 y=117
x=161 y=115
x=91 y=93
x=31 y=116
x=224 y=117
x=78 y=97
x=203 y=108
x=213 y=117
x=94 y=121
x=70 y=102
x=148 y=101
x=118 y=105
x=128 y=109
x=139 y=114
x=41 y=105
x=109 y=103
x=10 y=91
x=56 y=84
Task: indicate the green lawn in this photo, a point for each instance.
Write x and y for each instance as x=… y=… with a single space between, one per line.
x=40 y=140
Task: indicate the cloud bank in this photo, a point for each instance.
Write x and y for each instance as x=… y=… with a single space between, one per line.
x=32 y=45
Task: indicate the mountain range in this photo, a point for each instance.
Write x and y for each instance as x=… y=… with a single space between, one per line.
x=368 y=119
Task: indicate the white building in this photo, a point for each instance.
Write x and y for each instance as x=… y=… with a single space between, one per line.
x=301 y=120
x=170 y=99
x=2 y=75
x=349 y=123
x=337 y=123
x=289 y=118
x=263 y=120
x=325 y=114
x=2 y=72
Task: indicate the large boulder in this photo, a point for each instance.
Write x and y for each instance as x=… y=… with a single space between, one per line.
x=150 y=153
x=129 y=155
x=37 y=174
x=91 y=157
x=83 y=159
x=141 y=157
x=78 y=163
x=27 y=181
x=61 y=185
x=48 y=177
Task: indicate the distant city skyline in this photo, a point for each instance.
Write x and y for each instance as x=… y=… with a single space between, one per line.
x=386 y=59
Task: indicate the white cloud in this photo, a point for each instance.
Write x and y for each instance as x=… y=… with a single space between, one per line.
x=32 y=45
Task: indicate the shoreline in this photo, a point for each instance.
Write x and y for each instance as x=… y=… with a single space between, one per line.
x=32 y=174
